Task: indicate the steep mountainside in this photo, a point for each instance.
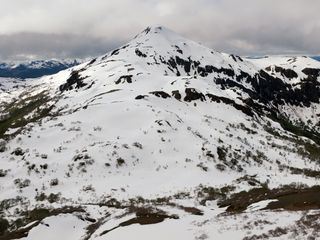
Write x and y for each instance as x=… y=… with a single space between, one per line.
x=34 y=69
x=163 y=138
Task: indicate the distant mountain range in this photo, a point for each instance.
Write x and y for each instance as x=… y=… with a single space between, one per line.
x=34 y=69
x=39 y=68
x=316 y=58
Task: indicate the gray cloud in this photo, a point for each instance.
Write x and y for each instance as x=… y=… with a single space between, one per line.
x=80 y=28
x=20 y=46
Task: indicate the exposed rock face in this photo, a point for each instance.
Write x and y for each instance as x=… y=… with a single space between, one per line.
x=312 y=72
x=123 y=79
x=74 y=81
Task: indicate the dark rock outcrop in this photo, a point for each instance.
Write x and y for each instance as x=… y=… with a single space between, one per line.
x=74 y=81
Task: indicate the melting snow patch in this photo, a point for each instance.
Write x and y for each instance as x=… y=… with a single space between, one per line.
x=64 y=226
x=259 y=205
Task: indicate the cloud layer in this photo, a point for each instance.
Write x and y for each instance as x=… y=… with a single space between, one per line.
x=81 y=28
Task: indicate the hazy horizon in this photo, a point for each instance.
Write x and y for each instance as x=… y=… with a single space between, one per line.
x=81 y=29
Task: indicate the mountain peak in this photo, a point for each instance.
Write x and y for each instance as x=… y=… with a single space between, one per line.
x=154 y=31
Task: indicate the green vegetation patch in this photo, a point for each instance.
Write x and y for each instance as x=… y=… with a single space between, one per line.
x=16 y=112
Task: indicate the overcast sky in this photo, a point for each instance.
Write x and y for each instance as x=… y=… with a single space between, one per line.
x=84 y=28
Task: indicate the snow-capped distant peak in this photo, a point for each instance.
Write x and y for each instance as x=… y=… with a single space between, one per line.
x=35 y=68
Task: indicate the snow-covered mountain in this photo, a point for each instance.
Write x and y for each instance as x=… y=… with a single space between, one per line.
x=163 y=138
x=35 y=68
